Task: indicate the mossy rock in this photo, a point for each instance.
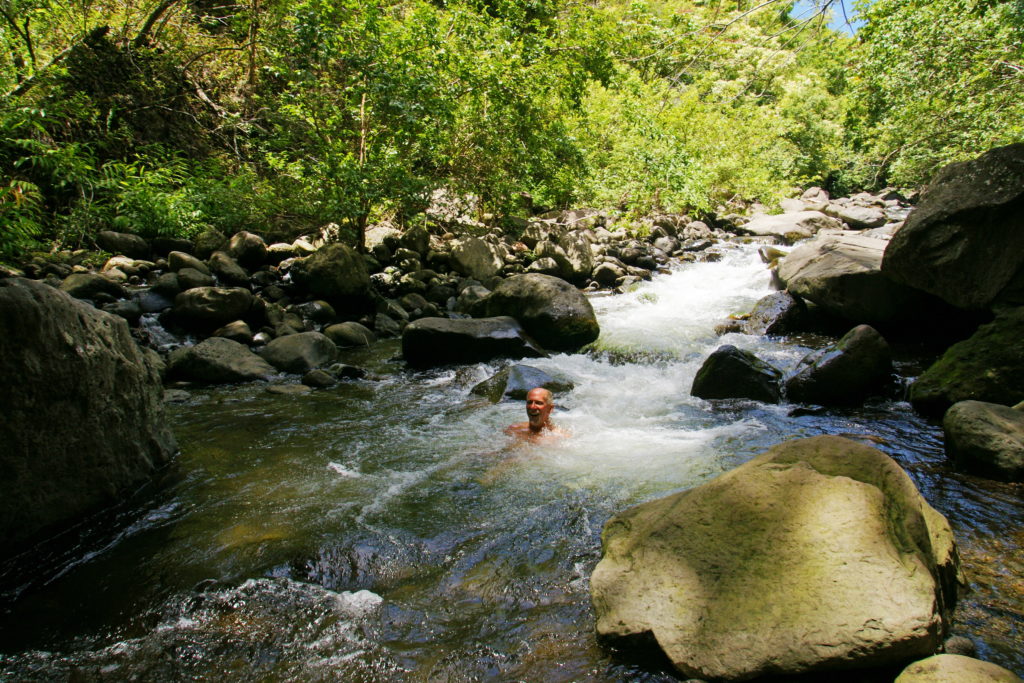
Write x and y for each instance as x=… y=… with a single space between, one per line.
x=989 y=366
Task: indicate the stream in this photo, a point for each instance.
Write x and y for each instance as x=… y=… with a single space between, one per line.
x=386 y=529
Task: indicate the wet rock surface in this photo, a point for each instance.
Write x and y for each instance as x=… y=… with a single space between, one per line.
x=83 y=422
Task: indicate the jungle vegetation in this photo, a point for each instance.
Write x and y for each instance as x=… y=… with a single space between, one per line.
x=168 y=117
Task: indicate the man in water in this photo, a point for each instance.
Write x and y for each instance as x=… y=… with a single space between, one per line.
x=539 y=404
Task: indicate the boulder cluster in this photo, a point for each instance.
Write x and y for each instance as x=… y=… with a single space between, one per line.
x=948 y=270
x=262 y=309
x=820 y=555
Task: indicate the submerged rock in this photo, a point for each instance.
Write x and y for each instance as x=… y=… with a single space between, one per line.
x=550 y=309
x=986 y=438
x=83 y=422
x=515 y=381
x=730 y=372
x=430 y=342
x=818 y=555
x=857 y=366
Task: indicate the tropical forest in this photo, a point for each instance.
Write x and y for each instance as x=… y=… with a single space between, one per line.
x=512 y=340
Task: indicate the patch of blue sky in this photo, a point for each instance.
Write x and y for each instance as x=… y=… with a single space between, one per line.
x=842 y=15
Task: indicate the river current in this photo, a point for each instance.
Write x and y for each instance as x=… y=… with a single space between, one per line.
x=385 y=529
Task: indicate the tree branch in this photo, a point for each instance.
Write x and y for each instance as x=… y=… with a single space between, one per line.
x=143 y=35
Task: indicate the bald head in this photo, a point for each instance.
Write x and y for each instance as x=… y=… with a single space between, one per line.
x=539 y=403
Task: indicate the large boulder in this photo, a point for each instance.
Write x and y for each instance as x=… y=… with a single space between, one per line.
x=176 y=260
x=730 y=372
x=123 y=243
x=986 y=438
x=248 y=249
x=790 y=227
x=228 y=270
x=217 y=360
x=475 y=258
x=579 y=255
x=842 y=274
x=551 y=310
x=89 y=285
x=337 y=273
x=956 y=669
x=515 y=381
x=430 y=342
x=83 y=423
x=211 y=307
x=300 y=353
x=989 y=366
x=845 y=373
x=861 y=217
x=818 y=555
x=965 y=240
x=349 y=334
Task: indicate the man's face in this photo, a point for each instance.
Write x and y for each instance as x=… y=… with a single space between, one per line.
x=538 y=407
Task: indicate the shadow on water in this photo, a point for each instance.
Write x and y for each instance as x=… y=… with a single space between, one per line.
x=386 y=529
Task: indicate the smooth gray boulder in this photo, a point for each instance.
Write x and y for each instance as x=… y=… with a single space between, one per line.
x=209 y=241
x=211 y=307
x=248 y=249
x=955 y=669
x=579 y=256
x=515 y=381
x=89 y=285
x=237 y=330
x=861 y=217
x=218 y=360
x=123 y=243
x=730 y=372
x=550 y=309
x=475 y=258
x=845 y=373
x=986 y=438
x=429 y=342
x=83 y=420
x=190 y=278
x=964 y=242
x=300 y=353
x=176 y=260
x=988 y=366
x=472 y=300
x=348 y=334
x=818 y=555
x=841 y=273
x=790 y=227
x=338 y=274
x=227 y=269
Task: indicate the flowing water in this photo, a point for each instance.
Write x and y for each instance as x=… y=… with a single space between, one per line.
x=386 y=529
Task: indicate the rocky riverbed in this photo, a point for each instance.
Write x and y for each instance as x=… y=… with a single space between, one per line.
x=295 y=317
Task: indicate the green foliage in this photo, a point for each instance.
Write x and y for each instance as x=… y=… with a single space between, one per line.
x=937 y=81
x=279 y=116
